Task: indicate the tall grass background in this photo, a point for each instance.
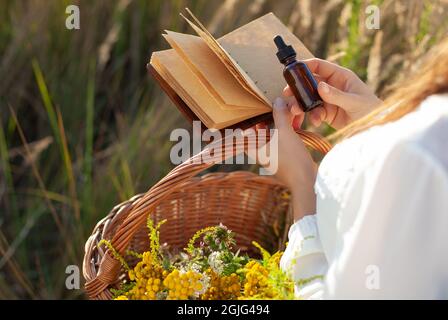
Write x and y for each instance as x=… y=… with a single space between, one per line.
x=83 y=127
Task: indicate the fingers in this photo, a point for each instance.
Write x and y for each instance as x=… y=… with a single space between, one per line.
x=316 y=116
x=333 y=95
x=318 y=78
x=296 y=110
x=282 y=115
x=326 y=71
x=287 y=92
x=297 y=121
x=293 y=106
x=323 y=68
x=333 y=115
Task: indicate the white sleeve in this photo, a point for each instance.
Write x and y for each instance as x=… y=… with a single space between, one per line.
x=398 y=244
x=304 y=260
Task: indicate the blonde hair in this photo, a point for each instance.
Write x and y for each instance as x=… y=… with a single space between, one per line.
x=431 y=78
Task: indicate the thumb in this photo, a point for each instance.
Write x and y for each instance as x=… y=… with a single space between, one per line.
x=333 y=95
x=282 y=116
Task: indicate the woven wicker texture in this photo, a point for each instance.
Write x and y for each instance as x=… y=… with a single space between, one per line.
x=254 y=207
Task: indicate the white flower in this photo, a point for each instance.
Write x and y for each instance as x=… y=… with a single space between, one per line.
x=196 y=267
x=215 y=262
x=205 y=282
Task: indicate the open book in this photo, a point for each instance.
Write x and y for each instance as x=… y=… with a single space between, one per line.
x=226 y=82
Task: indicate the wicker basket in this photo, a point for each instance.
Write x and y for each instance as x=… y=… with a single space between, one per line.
x=254 y=207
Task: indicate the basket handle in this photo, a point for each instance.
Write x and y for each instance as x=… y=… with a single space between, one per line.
x=109 y=267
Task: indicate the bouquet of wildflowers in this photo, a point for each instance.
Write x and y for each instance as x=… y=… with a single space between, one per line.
x=209 y=268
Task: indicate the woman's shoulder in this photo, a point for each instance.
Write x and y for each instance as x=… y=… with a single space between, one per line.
x=432 y=136
x=425 y=131
x=426 y=128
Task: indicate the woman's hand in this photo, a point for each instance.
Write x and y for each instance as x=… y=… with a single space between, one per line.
x=346 y=98
x=295 y=167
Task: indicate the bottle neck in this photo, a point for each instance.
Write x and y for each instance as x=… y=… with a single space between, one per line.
x=290 y=60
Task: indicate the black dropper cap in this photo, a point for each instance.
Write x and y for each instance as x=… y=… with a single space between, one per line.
x=284 y=51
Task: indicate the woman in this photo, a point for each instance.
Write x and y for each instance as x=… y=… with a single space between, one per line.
x=372 y=221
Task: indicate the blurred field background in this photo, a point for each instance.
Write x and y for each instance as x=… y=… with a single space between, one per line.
x=83 y=127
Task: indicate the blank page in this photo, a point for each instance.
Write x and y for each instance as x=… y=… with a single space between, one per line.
x=212 y=72
x=253 y=48
x=188 y=86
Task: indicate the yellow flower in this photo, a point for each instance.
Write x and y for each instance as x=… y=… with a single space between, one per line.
x=256 y=280
x=182 y=286
x=147 y=276
x=222 y=287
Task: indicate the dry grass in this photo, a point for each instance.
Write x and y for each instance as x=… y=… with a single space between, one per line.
x=82 y=126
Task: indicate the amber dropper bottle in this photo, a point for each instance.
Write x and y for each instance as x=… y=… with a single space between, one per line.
x=298 y=76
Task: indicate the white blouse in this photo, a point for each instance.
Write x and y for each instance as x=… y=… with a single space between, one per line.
x=381 y=225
